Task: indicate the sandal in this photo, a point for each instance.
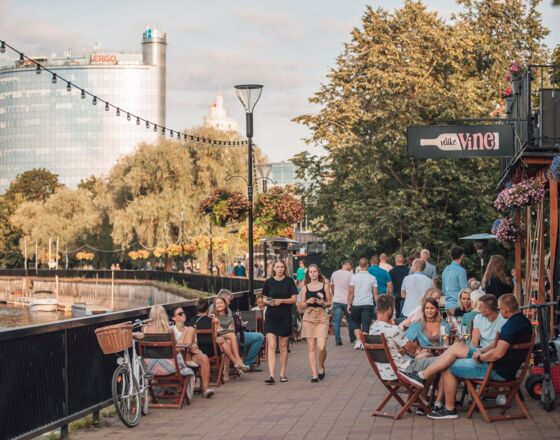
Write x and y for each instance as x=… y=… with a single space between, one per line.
x=208 y=393
x=270 y=381
x=283 y=379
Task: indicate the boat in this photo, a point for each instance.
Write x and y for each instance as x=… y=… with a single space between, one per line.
x=43 y=303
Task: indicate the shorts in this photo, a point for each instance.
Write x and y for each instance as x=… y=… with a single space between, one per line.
x=471 y=369
x=419 y=364
x=362 y=317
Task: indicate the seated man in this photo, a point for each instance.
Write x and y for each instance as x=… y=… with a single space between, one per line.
x=487 y=324
x=251 y=341
x=398 y=344
x=517 y=330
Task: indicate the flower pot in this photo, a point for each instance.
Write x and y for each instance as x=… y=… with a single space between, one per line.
x=509 y=104
x=516 y=85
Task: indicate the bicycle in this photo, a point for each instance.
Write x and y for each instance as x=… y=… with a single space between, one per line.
x=542 y=384
x=130 y=385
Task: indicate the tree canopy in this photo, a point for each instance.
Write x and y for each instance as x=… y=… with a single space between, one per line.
x=402 y=68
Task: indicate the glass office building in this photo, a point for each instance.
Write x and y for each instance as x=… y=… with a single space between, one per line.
x=42 y=125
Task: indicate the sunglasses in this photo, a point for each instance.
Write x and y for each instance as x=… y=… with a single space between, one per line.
x=180 y=314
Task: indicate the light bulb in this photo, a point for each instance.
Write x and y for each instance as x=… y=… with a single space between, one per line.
x=118 y=112
x=2 y=47
x=94 y=102
x=38 y=71
x=128 y=116
x=155 y=128
x=68 y=87
x=106 y=106
x=54 y=78
x=147 y=124
x=83 y=94
x=137 y=121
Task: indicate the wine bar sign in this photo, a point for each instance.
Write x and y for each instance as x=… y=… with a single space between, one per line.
x=452 y=141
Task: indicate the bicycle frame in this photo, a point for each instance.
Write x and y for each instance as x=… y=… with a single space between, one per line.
x=133 y=364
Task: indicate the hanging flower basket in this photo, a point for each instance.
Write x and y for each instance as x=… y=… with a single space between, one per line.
x=189 y=249
x=276 y=211
x=160 y=252
x=174 y=250
x=506 y=231
x=224 y=206
x=88 y=256
x=525 y=193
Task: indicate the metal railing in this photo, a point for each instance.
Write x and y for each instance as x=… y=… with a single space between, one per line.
x=53 y=374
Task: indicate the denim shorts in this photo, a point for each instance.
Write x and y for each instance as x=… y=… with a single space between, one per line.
x=471 y=369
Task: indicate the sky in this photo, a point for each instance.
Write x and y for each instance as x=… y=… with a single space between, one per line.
x=287 y=46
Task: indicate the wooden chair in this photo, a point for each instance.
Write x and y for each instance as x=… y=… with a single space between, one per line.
x=490 y=388
x=377 y=351
x=206 y=337
x=161 y=346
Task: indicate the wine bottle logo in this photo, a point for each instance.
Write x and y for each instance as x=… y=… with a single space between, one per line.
x=464 y=141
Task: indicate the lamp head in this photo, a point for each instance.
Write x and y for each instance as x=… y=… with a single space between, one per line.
x=264 y=169
x=248 y=95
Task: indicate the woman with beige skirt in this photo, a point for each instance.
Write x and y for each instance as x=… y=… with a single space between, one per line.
x=315 y=298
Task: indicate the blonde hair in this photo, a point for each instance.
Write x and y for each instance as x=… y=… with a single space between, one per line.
x=467 y=291
x=160 y=320
x=475 y=296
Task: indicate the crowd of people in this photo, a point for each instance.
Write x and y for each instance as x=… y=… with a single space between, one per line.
x=402 y=302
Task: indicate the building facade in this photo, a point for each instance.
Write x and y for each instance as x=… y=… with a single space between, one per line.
x=42 y=125
x=217 y=117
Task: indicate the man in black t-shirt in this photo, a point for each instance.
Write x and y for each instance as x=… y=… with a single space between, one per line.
x=517 y=330
x=398 y=272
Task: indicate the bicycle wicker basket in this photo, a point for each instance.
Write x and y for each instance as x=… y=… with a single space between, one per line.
x=114 y=338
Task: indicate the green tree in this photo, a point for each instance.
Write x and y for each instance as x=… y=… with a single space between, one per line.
x=33 y=185
x=407 y=68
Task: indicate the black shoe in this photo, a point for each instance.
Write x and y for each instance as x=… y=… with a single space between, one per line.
x=322 y=375
x=315 y=380
x=443 y=413
x=338 y=343
x=416 y=380
x=270 y=381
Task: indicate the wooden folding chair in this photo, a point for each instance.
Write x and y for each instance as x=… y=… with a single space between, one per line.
x=174 y=386
x=206 y=337
x=490 y=388
x=377 y=351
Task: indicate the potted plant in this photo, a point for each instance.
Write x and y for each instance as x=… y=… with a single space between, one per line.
x=508 y=96
x=525 y=193
x=276 y=212
x=506 y=231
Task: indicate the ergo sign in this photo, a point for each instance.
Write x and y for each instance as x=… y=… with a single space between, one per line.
x=97 y=58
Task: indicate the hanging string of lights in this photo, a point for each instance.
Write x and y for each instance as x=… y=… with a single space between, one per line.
x=178 y=134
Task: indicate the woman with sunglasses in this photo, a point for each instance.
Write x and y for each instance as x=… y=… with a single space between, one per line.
x=187 y=335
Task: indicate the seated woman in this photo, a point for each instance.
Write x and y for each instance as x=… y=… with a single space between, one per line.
x=202 y=318
x=160 y=324
x=465 y=303
x=416 y=314
x=226 y=330
x=468 y=318
x=187 y=335
x=426 y=331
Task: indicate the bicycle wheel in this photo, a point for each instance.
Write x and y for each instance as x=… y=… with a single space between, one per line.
x=144 y=387
x=125 y=396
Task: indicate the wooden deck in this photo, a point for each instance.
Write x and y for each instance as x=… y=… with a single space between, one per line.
x=337 y=408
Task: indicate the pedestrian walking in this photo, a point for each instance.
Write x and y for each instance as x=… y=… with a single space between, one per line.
x=454 y=279
x=340 y=283
x=315 y=298
x=398 y=273
x=281 y=293
x=361 y=295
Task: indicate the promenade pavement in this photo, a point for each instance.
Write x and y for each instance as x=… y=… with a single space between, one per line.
x=338 y=408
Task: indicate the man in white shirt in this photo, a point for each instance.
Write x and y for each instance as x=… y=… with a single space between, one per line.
x=361 y=295
x=340 y=283
x=487 y=323
x=414 y=287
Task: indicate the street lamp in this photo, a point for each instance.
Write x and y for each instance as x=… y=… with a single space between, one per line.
x=249 y=95
x=264 y=171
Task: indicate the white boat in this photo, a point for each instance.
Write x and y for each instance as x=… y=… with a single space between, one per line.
x=44 y=304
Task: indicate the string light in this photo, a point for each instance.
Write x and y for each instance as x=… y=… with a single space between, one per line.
x=147 y=124
x=83 y=93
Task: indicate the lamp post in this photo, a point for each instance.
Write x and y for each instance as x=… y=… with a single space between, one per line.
x=249 y=95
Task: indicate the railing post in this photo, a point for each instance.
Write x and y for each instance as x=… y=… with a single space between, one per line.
x=64 y=432
x=96 y=418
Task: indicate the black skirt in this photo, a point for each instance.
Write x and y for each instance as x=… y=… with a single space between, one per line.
x=279 y=325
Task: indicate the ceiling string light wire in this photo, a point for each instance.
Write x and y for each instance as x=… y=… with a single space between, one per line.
x=180 y=135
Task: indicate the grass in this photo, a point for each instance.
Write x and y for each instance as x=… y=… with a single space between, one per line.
x=82 y=424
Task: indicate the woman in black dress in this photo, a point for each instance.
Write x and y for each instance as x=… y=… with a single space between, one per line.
x=280 y=293
x=495 y=279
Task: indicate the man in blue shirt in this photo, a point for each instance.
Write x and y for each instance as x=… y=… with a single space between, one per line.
x=454 y=279
x=384 y=282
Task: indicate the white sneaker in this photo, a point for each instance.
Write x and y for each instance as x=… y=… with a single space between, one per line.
x=358 y=345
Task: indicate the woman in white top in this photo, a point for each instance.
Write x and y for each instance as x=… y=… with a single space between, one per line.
x=416 y=313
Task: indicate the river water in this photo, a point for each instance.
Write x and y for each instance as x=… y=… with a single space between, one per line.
x=22 y=316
